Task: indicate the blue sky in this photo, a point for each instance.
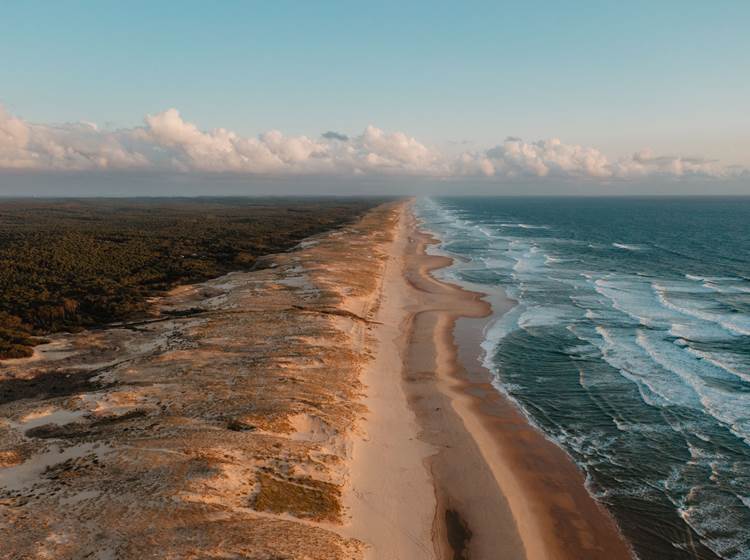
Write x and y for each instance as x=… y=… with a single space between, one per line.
x=617 y=76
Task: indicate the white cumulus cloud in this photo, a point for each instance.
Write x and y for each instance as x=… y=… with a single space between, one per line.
x=76 y=146
x=516 y=158
x=167 y=142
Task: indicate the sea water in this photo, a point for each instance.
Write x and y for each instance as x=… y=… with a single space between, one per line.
x=629 y=346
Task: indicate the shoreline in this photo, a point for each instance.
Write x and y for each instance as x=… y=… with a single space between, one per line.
x=497 y=486
x=392 y=508
x=441 y=465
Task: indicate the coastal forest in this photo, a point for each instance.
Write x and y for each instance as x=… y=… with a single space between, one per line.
x=70 y=264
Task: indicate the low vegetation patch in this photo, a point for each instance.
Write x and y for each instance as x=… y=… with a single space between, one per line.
x=302 y=497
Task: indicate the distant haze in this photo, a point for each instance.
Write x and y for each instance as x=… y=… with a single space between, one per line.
x=195 y=184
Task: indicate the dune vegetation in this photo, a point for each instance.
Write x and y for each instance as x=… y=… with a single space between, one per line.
x=71 y=264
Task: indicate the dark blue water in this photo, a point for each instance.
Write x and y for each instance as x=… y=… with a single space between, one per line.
x=629 y=346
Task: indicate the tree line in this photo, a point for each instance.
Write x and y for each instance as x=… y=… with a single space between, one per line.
x=70 y=264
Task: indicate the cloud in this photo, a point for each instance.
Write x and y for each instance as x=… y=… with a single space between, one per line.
x=185 y=147
x=644 y=163
x=331 y=135
x=75 y=146
x=167 y=142
x=546 y=157
x=515 y=158
x=14 y=138
x=460 y=142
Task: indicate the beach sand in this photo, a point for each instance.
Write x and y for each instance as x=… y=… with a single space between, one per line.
x=442 y=444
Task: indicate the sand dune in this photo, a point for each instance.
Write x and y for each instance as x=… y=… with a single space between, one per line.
x=218 y=429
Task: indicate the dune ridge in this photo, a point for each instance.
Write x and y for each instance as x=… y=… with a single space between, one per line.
x=218 y=428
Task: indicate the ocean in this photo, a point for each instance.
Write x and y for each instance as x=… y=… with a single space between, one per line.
x=629 y=346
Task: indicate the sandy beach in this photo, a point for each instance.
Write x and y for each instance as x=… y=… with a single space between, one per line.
x=440 y=443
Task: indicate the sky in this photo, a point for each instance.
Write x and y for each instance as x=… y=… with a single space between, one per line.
x=294 y=94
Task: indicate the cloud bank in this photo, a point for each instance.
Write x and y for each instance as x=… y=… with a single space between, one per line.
x=167 y=142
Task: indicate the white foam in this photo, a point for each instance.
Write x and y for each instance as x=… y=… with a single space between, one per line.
x=522 y=226
x=628 y=247
x=724 y=360
x=497 y=331
x=737 y=324
x=549 y=259
x=656 y=386
x=630 y=296
x=731 y=408
x=544 y=316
